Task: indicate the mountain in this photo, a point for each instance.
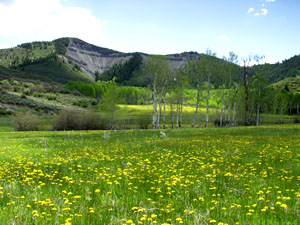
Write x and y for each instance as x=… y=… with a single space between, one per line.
x=68 y=59
x=71 y=59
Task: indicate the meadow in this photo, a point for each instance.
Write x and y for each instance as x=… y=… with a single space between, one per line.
x=237 y=175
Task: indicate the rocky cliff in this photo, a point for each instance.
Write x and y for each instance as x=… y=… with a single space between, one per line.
x=92 y=58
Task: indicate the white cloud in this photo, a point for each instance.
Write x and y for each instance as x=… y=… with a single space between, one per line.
x=263 y=12
x=34 y=20
x=224 y=37
x=250 y=10
x=270 y=1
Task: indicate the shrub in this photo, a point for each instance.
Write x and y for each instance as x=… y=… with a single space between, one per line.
x=2 y=110
x=296 y=120
x=51 y=97
x=78 y=120
x=26 y=122
x=144 y=122
x=23 y=96
x=26 y=91
x=38 y=94
x=35 y=89
x=6 y=86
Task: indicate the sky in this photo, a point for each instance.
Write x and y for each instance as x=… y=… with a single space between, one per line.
x=246 y=27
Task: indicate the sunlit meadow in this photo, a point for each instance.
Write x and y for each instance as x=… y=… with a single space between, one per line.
x=247 y=175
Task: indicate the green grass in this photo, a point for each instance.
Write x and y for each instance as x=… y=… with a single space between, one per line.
x=242 y=175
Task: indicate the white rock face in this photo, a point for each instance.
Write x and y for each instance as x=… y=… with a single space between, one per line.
x=92 y=58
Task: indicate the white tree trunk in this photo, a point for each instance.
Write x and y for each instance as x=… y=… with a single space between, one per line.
x=229 y=100
x=180 y=118
x=172 y=115
x=154 y=116
x=222 y=103
x=207 y=101
x=258 y=107
x=196 y=110
x=177 y=114
x=159 y=114
x=164 y=114
x=234 y=109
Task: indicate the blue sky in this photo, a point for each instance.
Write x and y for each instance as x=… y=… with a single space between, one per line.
x=264 y=27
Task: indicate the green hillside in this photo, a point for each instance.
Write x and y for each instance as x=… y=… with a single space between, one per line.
x=40 y=60
x=9 y=73
x=56 y=69
x=292 y=84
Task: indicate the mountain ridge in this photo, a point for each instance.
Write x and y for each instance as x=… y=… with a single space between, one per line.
x=81 y=60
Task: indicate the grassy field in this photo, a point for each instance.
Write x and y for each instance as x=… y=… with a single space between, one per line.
x=241 y=175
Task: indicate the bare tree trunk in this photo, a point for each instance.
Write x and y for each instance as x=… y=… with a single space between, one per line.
x=159 y=114
x=154 y=116
x=164 y=115
x=229 y=100
x=234 y=108
x=222 y=103
x=281 y=114
x=181 y=106
x=177 y=114
x=246 y=122
x=172 y=115
x=196 y=110
x=258 y=107
x=207 y=101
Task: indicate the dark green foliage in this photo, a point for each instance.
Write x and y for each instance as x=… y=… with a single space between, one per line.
x=123 y=72
x=51 y=68
x=96 y=75
x=61 y=44
x=76 y=67
x=279 y=71
x=26 y=46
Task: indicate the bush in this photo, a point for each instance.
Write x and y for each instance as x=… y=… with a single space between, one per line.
x=296 y=120
x=144 y=122
x=78 y=120
x=26 y=91
x=37 y=94
x=35 y=89
x=217 y=123
x=2 y=110
x=51 y=97
x=6 y=86
x=26 y=122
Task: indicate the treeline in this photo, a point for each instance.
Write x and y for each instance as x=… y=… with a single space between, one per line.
x=124 y=94
x=245 y=93
x=124 y=72
x=280 y=71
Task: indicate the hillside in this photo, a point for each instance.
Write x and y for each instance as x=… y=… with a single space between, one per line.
x=50 y=60
x=71 y=59
x=292 y=84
